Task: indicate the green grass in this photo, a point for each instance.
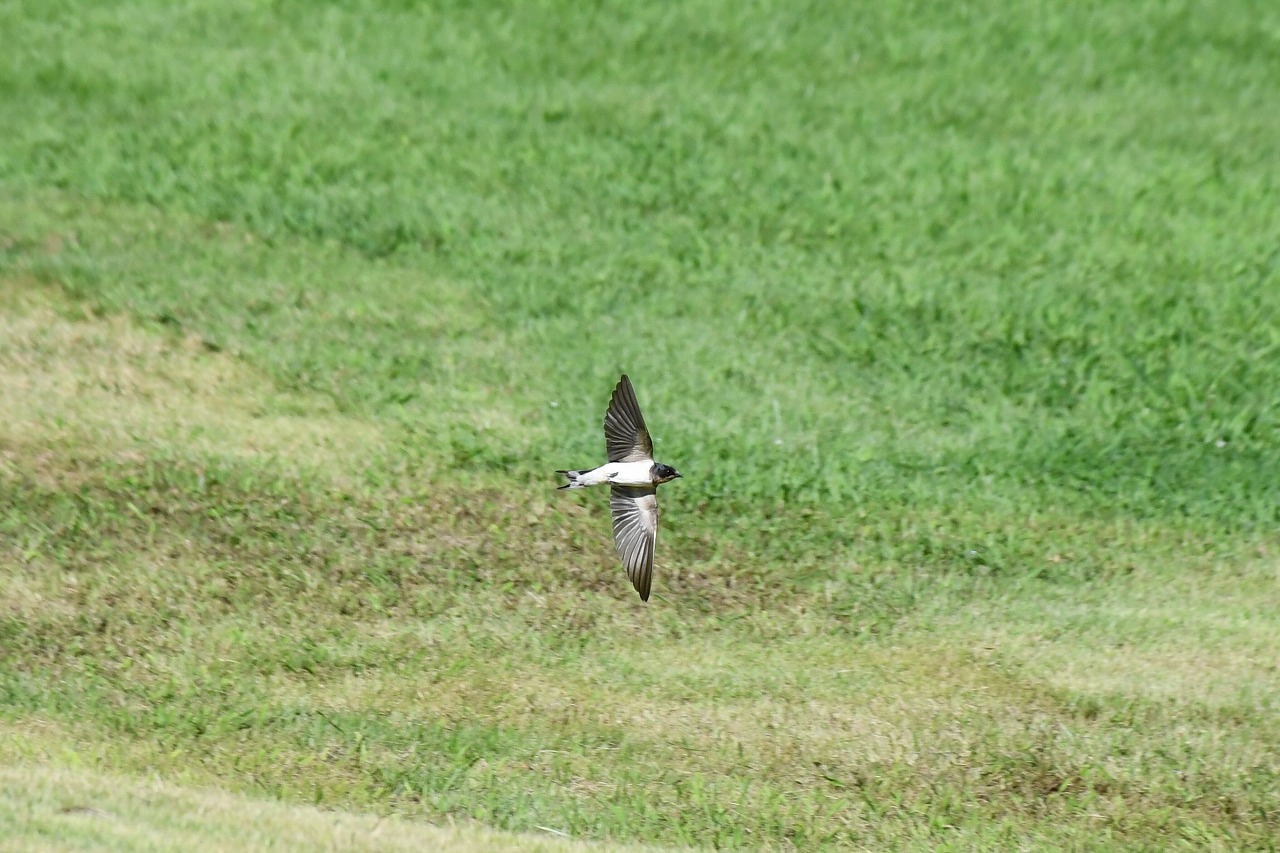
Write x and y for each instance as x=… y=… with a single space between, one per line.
x=963 y=325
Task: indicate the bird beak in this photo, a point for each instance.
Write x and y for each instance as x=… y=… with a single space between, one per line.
x=678 y=475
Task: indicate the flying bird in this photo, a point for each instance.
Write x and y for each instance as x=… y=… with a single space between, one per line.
x=633 y=479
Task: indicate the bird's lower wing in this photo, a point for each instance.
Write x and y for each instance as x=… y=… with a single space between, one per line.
x=635 y=532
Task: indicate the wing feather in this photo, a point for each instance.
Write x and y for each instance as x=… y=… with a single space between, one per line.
x=626 y=438
x=635 y=532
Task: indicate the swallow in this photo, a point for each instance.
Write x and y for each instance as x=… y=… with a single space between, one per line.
x=633 y=478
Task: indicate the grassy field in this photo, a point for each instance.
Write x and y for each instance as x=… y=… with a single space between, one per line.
x=961 y=321
x=51 y=808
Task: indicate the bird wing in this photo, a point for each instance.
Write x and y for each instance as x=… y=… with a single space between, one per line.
x=635 y=532
x=626 y=438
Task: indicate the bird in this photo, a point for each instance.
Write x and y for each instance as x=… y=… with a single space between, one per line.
x=633 y=478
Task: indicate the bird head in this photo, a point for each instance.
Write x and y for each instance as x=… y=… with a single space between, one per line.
x=664 y=473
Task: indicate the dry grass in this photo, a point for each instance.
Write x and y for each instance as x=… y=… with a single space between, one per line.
x=70 y=378
x=48 y=804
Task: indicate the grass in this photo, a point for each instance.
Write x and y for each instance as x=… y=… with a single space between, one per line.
x=48 y=807
x=961 y=324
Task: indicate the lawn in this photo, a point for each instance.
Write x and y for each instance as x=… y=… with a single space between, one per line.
x=962 y=323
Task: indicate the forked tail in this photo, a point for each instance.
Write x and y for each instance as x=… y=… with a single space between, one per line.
x=573 y=479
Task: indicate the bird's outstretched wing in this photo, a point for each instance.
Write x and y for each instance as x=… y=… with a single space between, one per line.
x=635 y=532
x=626 y=438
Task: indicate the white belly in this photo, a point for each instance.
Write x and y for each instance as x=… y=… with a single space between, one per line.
x=619 y=474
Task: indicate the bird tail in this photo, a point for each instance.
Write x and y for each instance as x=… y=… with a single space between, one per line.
x=573 y=479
